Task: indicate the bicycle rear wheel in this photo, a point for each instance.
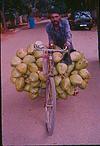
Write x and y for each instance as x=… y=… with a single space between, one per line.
x=50 y=105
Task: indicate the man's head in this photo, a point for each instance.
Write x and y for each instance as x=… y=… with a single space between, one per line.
x=55 y=16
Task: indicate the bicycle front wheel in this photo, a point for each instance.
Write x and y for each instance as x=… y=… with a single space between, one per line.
x=50 y=105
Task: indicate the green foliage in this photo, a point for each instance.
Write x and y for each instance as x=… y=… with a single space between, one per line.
x=12 y=5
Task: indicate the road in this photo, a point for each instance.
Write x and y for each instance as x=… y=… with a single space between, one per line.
x=77 y=119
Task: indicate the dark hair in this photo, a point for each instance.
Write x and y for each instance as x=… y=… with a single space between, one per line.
x=54 y=10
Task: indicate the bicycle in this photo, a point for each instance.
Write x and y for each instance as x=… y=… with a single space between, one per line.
x=50 y=96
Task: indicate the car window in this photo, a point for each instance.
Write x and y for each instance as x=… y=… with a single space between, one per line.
x=83 y=15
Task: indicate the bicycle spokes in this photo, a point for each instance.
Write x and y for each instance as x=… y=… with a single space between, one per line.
x=50 y=105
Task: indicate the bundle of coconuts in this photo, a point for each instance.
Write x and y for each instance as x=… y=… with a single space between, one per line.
x=27 y=72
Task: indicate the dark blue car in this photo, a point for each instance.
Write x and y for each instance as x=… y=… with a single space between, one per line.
x=82 y=19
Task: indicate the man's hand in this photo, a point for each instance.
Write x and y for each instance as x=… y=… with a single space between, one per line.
x=65 y=48
x=51 y=46
x=67 y=44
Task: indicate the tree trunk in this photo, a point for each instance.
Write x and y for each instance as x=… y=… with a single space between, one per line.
x=3 y=20
x=3 y=16
x=98 y=27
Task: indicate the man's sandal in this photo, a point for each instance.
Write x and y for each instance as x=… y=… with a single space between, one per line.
x=75 y=92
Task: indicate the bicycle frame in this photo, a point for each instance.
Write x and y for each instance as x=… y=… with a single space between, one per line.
x=50 y=105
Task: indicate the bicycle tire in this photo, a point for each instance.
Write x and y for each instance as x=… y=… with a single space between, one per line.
x=50 y=99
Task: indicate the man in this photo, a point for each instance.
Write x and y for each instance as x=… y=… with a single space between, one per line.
x=58 y=31
x=59 y=34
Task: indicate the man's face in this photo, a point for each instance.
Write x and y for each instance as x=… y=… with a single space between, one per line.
x=55 y=18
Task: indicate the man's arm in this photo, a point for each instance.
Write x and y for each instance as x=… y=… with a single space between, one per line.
x=68 y=34
x=49 y=34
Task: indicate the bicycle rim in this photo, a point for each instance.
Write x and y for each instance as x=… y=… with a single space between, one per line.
x=50 y=99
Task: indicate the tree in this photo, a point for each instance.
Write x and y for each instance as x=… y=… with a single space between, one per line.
x=10 y=7
x=3 y=14
x=98 y=25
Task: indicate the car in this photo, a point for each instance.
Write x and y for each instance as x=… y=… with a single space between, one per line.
x=81 y=19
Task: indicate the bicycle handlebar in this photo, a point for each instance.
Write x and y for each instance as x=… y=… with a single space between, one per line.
x=66 y=53
x=41 y=47
x=51 y=50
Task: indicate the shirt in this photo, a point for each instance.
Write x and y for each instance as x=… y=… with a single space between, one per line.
x=62 y=36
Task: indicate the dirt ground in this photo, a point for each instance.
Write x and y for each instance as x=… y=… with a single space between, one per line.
x=77 y=119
